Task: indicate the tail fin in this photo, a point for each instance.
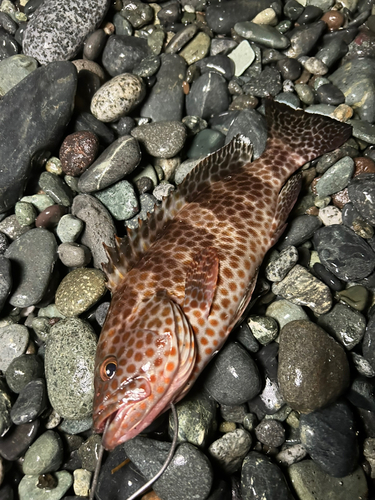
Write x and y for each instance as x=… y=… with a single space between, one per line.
x=309 y=135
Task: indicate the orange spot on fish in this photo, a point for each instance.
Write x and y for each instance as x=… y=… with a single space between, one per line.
x=138 y=356
x=204 y=341
x=150 y=352
x=143 y=406
x=130 y=368
x=167 y=380
x=208 y=351
x=152 y=378
x=201 y=322
x=158 y=361
x=169 y=321
x=170 y=366
x=173 y=351
x=210 y=332
x=160 y=389
x=139 y=344
x=214 y=322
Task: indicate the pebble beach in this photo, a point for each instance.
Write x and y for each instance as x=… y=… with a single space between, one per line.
x=105 y=108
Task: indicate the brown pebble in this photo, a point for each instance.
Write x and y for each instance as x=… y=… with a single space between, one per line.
x=304 y=78
x=185 y=87
x=341 y=198
x=313 y=185
x=78 y=151
x=334 y=19
x=312 y=211
x=364 y=165
x=50 y=217
x=243 y=102
x=109 y=29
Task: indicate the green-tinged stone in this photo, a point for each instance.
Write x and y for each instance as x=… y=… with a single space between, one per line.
x=155 y=41
x=363 y=130
x=40 y=201
x=355 y=296
x=53 y=166
x=266 y=35
x=14 y=69
x=205 y=142
x=79 y=290
x=264 y=328
x=120 y=199
x=284 y=311
x=336 y=177
x=25 y=213
x=44 y=455
x=69 y=228
x=28 y=487
x=311 y=483
x=76 y=426
x=50 y=311
x=197 y=49
x=56 y=189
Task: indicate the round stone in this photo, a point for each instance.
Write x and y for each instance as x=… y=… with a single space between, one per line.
x=161 y=139
x=118 y=97
x=284 y=312
x=44 y=455
x=79 y=290
x=69 y=367
x=270 y=432
x=233 y=377
x=74 y=255
x=50 y=217
x=69 y=228
x=23 y=370
x=78 y=151
x=25 y=213
x=313 y=368
x=229 y=451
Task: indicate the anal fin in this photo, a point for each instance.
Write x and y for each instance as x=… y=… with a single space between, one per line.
x=200 y=282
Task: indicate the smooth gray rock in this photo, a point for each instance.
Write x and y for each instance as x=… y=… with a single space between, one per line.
x=57 y=30
x=45 y=455
x=13 y=70
x=33 y=116
x=5 y=280
x=13 y=342
x=34 y=255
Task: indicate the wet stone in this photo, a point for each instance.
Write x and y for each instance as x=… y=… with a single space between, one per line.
x=233 y=413
x=101 y=313
x=87 y=121
x=303 y=38
x=74 y=255
x=244 y=336
x=302 y=288
x=327 y=277
x=264 y=328
x=336 y=177
x=147 y=202
x=122 y=54
x=362 y=366
x=14 y=340
x=163 y=190
x=263 y=34
x=79 y=290
x=8 y=45
x=299 y=230
x=262 y=478
x=196 y=419
x=279 y=268
x=69 y=228
x=3 y=243
x=31 y=402
x=78 y=151
x=120 y=199
x=344 y=253
x=56 y=188
x=14 y=69
x=267 y=83
x=233 y=377
x=270 y=433
x=189 y=473
x=284 y=311
x=368 y=341
x=293 y=9
x=361 y=193
x=162 y=139
x=309 y=481
x=17 y=440
x=56 y=33
x=330 y=94
x=137 y=13
x=50 y=217
x=34 y=273
x=94 y=44
x=208 y=95
x=88 y=452
x=290 y=69
x=361 y=393
x=28 y=487
x=76 y=426
x=205 y=142
x=122 y=25
x=99 y=226
x=228 y=451
x=313 y=368
x=118 y=97
x=40 y=201
x=23 y=370
x=344 y=324
x=197 y=49
x=44 y=455
x=69 y=378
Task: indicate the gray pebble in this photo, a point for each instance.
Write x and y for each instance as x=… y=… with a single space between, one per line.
x=29 y=489
x=147 y=202
x=263 y=34
x=25 y=213
x=31 y=402
x=161 y=139
x=14 y=340
x=163 y=190
x=44 y=455
x=69 y=228
x=279 y=268
x=12 y=228
x=299 y=230
x=137 y=13
x=14 y=69
x=270 y=433
x=336 y=177
x=184 y=169
x=74 y=255
x=252 y=125
x=229 y=450
x=56 y=188
x=23 y=370
x=5 y=279
x=76 y=426
x=101 y=313
x=69 y=377
x=362 y=365
x=233 y=413
x=283 y=311
x=117 y=161
x=120 y=200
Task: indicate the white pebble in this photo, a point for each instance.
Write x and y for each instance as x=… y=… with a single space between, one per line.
x=267 y=16
x=242 y=56
x=330 y=215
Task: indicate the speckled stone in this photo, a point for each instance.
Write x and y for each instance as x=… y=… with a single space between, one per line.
x=88 y=452
x=229 y=450
x=44 y=455
x=35 y=273
x=161 y=139
x=120 y=200
x=270 y=433
x=78 y=151
x=302 y=288
x=69 y=377
x=82 y=482
x=279 y=268
x=264 y=328
x=28 y=488
x=79 y=290
x=117 y=97
x=313 y=368
x=13 y=342
x=56 y=188
x=56 y=32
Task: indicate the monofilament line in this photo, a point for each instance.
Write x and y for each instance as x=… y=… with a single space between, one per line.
x=98 y=465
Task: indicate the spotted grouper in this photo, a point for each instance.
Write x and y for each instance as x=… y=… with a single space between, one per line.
x=182 y=281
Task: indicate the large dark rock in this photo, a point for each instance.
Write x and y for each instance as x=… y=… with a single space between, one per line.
x=33 y=116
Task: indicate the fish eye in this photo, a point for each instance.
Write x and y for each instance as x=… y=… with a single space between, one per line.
x=108 y=368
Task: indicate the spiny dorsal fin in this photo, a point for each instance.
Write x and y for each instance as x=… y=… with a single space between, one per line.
x=130 y=249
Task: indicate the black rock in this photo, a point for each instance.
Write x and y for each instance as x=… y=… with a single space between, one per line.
x=329 y=437
x=87 y=121
x=122 y=53
x=31 y=402
x=223 y=121
x=361 y=191
x=349 y=214
x=7 y=23
x=220 y=64
x=251 y=124
x=362 y=393
x=345 y=254
x=5 y=280
x=166 y=98
x=170 y=14
x=23 y=370
x=33 y=116
x=17 y=440
x=289 y=68
x=268 y=83
x=208 y=96
x=311 y=13
x=299 y=230
x=293 y=9
x=260 y=478
x=267 y=359
x=330 y=94
x=327 y=277
x=188 y=475
x=245 y=336
x=304 y=38
x=331 y=51
x=8 y=45
x=233 y=377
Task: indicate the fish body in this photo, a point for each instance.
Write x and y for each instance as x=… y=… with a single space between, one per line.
x=182 y=282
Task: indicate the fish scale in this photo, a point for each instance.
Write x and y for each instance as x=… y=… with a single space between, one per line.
x=182 y=282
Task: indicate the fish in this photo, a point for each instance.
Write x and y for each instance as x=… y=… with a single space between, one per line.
x=183 y=280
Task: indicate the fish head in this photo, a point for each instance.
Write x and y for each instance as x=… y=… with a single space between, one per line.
x=140 y=368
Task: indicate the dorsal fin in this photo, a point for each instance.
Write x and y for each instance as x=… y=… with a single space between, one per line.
x=130 y=249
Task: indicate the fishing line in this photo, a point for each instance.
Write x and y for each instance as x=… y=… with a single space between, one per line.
x=167 y=461
x=152 y=480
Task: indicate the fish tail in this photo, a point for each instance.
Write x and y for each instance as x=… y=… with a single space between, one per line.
x=304 y=134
